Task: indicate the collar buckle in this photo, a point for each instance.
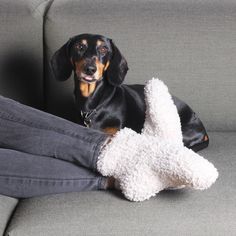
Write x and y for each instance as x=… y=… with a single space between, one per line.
x=87 y=117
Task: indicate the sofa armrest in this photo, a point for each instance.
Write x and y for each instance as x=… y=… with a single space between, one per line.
x=7 y=206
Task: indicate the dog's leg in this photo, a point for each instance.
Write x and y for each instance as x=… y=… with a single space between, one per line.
x=110 y=130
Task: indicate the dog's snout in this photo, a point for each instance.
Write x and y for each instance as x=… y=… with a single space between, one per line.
x=90 y=69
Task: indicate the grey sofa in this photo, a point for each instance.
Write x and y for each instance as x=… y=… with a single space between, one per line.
x=190 y=44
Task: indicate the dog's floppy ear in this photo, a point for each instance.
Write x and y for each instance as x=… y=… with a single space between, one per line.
x=117 y=68
x=61 y=66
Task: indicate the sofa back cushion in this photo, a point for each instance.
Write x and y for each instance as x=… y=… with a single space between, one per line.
x=188 y=44
x=21 y=50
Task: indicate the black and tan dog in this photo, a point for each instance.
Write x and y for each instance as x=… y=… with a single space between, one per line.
x=103 y=102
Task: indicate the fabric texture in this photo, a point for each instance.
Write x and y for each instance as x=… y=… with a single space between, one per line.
x=210 y=212
x=24 y=175
x=156 y=159
x=21 y=50
x=7 y=206
x=43 y=154
x=189 y=44
x=22 y=127
x=161 y=119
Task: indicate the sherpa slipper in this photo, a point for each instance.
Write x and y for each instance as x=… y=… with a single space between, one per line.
x=147 y=163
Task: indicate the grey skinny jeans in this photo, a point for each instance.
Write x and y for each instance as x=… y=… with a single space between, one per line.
x=42 y=154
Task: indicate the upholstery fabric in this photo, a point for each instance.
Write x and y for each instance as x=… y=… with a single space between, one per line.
x=181 y=212
x=189 y=44
x=21 y=50
x=7 y=206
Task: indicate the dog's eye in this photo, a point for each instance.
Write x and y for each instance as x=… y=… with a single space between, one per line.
x=80 y=47
x=103 y=49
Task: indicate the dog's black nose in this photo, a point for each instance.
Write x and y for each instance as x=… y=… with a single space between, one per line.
x=90 y=69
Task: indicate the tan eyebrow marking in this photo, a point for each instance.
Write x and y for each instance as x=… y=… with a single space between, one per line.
x=99 y=42
x=84 y=41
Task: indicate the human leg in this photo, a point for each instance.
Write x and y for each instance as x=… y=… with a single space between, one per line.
x=24 y=175
x=122 y=158
x=32 y=131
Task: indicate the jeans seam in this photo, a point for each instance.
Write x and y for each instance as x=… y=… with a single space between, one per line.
x=39 y=178
x=102 y=182
x=33 y=125
x=99 y=183
x=96 y=151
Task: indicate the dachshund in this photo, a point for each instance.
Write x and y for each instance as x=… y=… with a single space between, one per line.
x=103 y=102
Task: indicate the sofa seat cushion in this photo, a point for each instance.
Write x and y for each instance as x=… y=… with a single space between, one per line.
x=182 y=212
x=7 y=206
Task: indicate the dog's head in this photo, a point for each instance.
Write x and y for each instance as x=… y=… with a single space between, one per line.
x=92 y=58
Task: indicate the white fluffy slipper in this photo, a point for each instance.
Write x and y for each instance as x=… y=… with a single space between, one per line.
x=129 y=158
x=147 y=163
x=162 y=118
x=163 y=121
